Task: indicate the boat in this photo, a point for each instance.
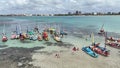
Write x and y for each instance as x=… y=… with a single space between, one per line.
x=21 y=36
x=35 y=37
x=13 y=36
x=56 y=35
x=63 y=33
x=26 y=34
x=39 y=37
x=89 y=51
x=45 y=36
x=32 y=36
x=51 y=30
x=110 y=41
x=57 y=38
x=4 y=37
x=101 y=32
x=113 y=44
x=100 y=50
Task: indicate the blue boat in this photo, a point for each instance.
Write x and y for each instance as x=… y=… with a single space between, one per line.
x=89 y=52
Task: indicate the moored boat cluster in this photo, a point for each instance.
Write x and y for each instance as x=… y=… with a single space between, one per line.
x=35 y=34
x=95 y=49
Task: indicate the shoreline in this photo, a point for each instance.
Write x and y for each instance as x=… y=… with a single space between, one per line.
x=57 y=16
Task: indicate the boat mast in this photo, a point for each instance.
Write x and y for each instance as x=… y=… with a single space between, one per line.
x=102 y=27
x=105 y=38
x=4 y=29
x=16 y=30
x=93 y=41
x=20 y=28
x=27 y=29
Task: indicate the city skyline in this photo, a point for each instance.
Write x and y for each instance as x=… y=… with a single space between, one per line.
x=57 y=6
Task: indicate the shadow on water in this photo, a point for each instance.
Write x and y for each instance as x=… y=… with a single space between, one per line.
x=60 y=44
x=26 y=41
x=2 y=46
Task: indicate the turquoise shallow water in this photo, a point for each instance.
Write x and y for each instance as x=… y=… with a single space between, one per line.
x=73 y=24
x=78 y=21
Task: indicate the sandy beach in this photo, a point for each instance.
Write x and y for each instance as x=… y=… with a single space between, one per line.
x=78 y=59
x=45 y=57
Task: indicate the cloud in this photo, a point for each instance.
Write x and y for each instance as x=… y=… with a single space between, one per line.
x=58 y=6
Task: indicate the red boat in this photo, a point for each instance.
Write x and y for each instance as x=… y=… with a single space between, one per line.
x=21 y=37
x=102 y=32
x=113 y=44
x=4 y=39
x=45 y=36
x=111 y=39
x=100 y=50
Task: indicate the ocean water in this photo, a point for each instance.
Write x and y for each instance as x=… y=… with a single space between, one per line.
x=76 y=26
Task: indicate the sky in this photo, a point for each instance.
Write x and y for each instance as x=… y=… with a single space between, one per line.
x=57 y=6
